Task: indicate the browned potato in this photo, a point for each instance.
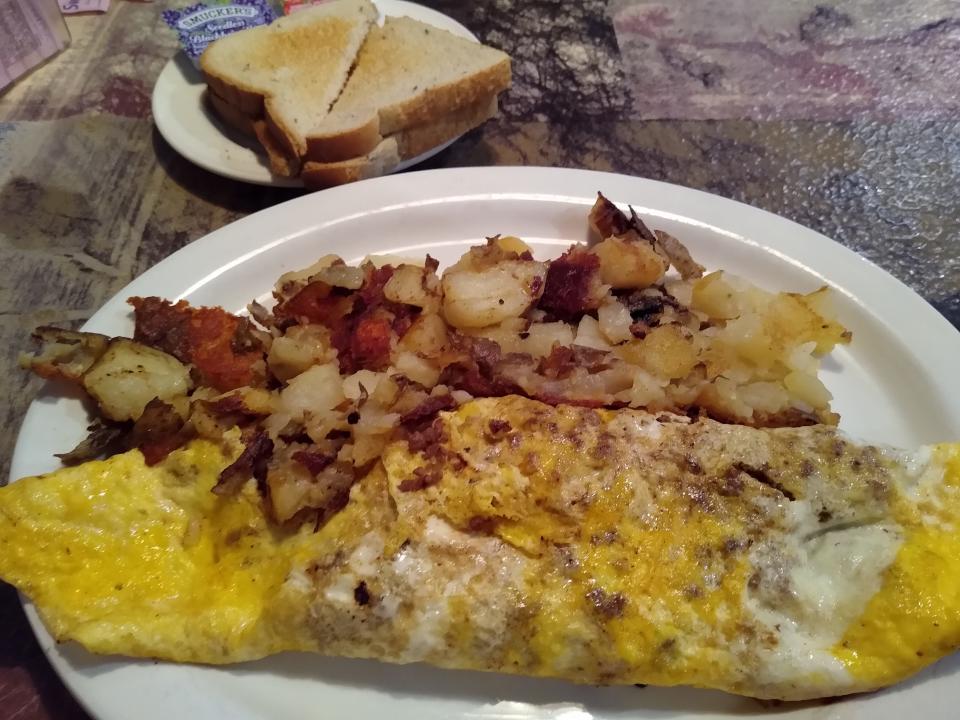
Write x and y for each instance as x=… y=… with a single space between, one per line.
x=298 y=349
x=477 y=298
x=129 y=375
x=427 y=336
x=412 y=285
x=666 y=351
x=64 y=354
x=715 y=297
x=628 y=262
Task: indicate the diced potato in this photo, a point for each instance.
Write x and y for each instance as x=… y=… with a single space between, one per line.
x=682 y=290
x=721 y=399
x=386 y=392
x=618 y=378
x=301 y=347
x=509 y=243
x=304 y=274
x=713 y=295
x=808 y=389
x=477 y=298
x=717 y=357
x=589 y=335
x=129 y=375
x=292 y=487
x=417 y=369
x=374 y=420
x=493 y=253
x=66 y=354
x=411 y=285
x=427 y=336
x=368 y=447
x=615 y=321
x=342 y=276
x=798 y=318
x=368 y=379
x=542 y=337
x=666 y=351
x=646 y=391
x=316 y=390
x=288 y=485
x=767 y=397
x=627 y=263
x=506 y=334
x=748 y=336
x=801 y=358
x=256 y=401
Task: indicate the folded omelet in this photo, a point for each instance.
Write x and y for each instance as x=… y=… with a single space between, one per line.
x=593 y=545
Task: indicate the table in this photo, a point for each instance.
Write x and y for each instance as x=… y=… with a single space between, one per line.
x=839 y=114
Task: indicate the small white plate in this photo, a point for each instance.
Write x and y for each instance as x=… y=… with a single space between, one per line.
x=896 y=383
x=186 y=121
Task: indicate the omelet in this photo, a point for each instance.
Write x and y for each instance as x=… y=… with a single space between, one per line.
x=598 y=546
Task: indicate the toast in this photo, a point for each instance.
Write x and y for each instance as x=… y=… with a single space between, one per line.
x=393 y=150
x=281 y=162
x=292 y=71
x=231 y=115
x=407 y=74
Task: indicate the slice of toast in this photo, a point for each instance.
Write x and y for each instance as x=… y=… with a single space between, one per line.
x=281 y=162
x=393 y=150
x=407 y=74
x=230 y=114
x=290 y=72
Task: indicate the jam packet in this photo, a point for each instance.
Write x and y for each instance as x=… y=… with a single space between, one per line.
x=200 y=24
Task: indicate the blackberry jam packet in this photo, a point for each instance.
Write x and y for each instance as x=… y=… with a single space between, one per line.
x=200 y=24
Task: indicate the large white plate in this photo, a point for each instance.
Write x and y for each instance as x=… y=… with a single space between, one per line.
x=896 y=383
x=186 y=121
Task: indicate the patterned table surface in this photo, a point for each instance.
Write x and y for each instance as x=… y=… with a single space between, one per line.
x=839 y=114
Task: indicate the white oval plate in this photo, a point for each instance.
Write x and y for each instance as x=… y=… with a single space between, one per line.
x=896 y=383
x=186 y=121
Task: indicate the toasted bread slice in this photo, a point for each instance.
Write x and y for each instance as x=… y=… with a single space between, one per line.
x=290 y=72
x=230 y=114
x=282 y=163
x=407 y=74
x=382 y=161
x=393 y=150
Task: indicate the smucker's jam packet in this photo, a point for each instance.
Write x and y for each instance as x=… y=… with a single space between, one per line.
x=200 y=24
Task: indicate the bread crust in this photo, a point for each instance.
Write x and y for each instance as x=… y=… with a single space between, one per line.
x=230 y=114
x=383 y=160
x=245 y=100
x=284 y=135
x=281 y=162
x=354 y=143
x=419 y=139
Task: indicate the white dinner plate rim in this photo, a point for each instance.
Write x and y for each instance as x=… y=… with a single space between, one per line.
x=171 y=82
x=245 y=239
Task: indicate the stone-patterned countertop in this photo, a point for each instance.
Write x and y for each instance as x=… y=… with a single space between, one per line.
x=839 y=114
